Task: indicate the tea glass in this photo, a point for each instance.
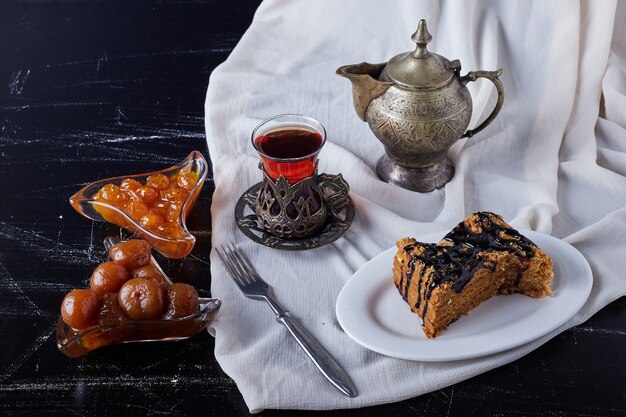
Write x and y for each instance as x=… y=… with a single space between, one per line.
x=293 y=199
x=289 y=144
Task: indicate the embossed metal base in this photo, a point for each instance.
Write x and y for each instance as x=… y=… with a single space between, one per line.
x=337 y=223
x=291 y=211
x=422 y=180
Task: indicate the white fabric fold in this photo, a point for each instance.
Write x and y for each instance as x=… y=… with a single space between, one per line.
x=554 y=160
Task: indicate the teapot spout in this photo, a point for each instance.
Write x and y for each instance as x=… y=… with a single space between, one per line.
x=365 y=84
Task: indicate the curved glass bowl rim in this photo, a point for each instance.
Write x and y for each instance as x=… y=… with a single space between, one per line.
x=208 y=305
x=194 y=156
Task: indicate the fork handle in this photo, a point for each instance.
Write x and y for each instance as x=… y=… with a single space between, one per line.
x=326 y=364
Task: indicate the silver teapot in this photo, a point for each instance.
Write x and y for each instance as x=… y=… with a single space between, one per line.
x=417 y=105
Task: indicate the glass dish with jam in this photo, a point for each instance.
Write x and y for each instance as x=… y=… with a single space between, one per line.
x=153 y=205
x=130 y=299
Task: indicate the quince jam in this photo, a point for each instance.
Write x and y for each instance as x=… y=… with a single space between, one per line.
x=156 y=205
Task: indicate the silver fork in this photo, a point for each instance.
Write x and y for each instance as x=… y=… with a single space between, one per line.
x=251 y=284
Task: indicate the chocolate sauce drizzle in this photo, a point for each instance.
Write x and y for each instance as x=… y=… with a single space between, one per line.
x=458 y=263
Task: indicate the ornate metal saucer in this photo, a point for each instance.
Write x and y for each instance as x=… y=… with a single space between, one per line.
x=334 y=227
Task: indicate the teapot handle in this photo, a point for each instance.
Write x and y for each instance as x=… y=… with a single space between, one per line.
x=493 y=77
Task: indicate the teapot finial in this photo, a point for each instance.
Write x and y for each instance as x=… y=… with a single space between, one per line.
x=421 y=37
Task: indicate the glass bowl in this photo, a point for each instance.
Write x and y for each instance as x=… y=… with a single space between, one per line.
x=74 y=343
x=173 y=246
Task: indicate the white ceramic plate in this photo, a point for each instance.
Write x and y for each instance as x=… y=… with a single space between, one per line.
x=372 y=312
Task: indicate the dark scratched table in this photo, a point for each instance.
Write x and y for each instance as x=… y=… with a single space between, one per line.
x=94 y=89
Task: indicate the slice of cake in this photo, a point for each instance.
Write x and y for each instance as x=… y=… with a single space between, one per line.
x=480 y=257
x=442 y=283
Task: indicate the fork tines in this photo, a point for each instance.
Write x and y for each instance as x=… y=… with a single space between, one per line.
x=237 y=264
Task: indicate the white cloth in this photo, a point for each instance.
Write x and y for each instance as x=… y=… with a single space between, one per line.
x=554 y=160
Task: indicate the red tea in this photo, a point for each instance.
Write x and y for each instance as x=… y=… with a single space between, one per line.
x=291 y=152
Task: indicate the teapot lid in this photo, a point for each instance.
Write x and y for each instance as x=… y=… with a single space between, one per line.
x=420 y=68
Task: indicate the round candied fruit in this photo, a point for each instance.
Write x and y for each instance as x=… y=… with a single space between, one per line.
x=183 y=301
x=130 y=184
x=160 y=210
x=158 y=181
x=111 y=312
x=151 y=273
x=112 y=194
x=175 y=194
x=131 y=254
x=170 y=229
x=186 y=179
x=151 y=220
x=137 y=209
x=173 y=212
x=147 y=195
x=80 y=308
x=108 y=277
x=161 y=205
x=142 y=299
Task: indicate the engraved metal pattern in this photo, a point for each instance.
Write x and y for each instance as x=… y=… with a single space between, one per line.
x=290 y=210
x=418 y=127
x=340 y=216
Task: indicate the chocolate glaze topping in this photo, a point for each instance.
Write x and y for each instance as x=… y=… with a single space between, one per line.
x=458 y=263
x=494 y=237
